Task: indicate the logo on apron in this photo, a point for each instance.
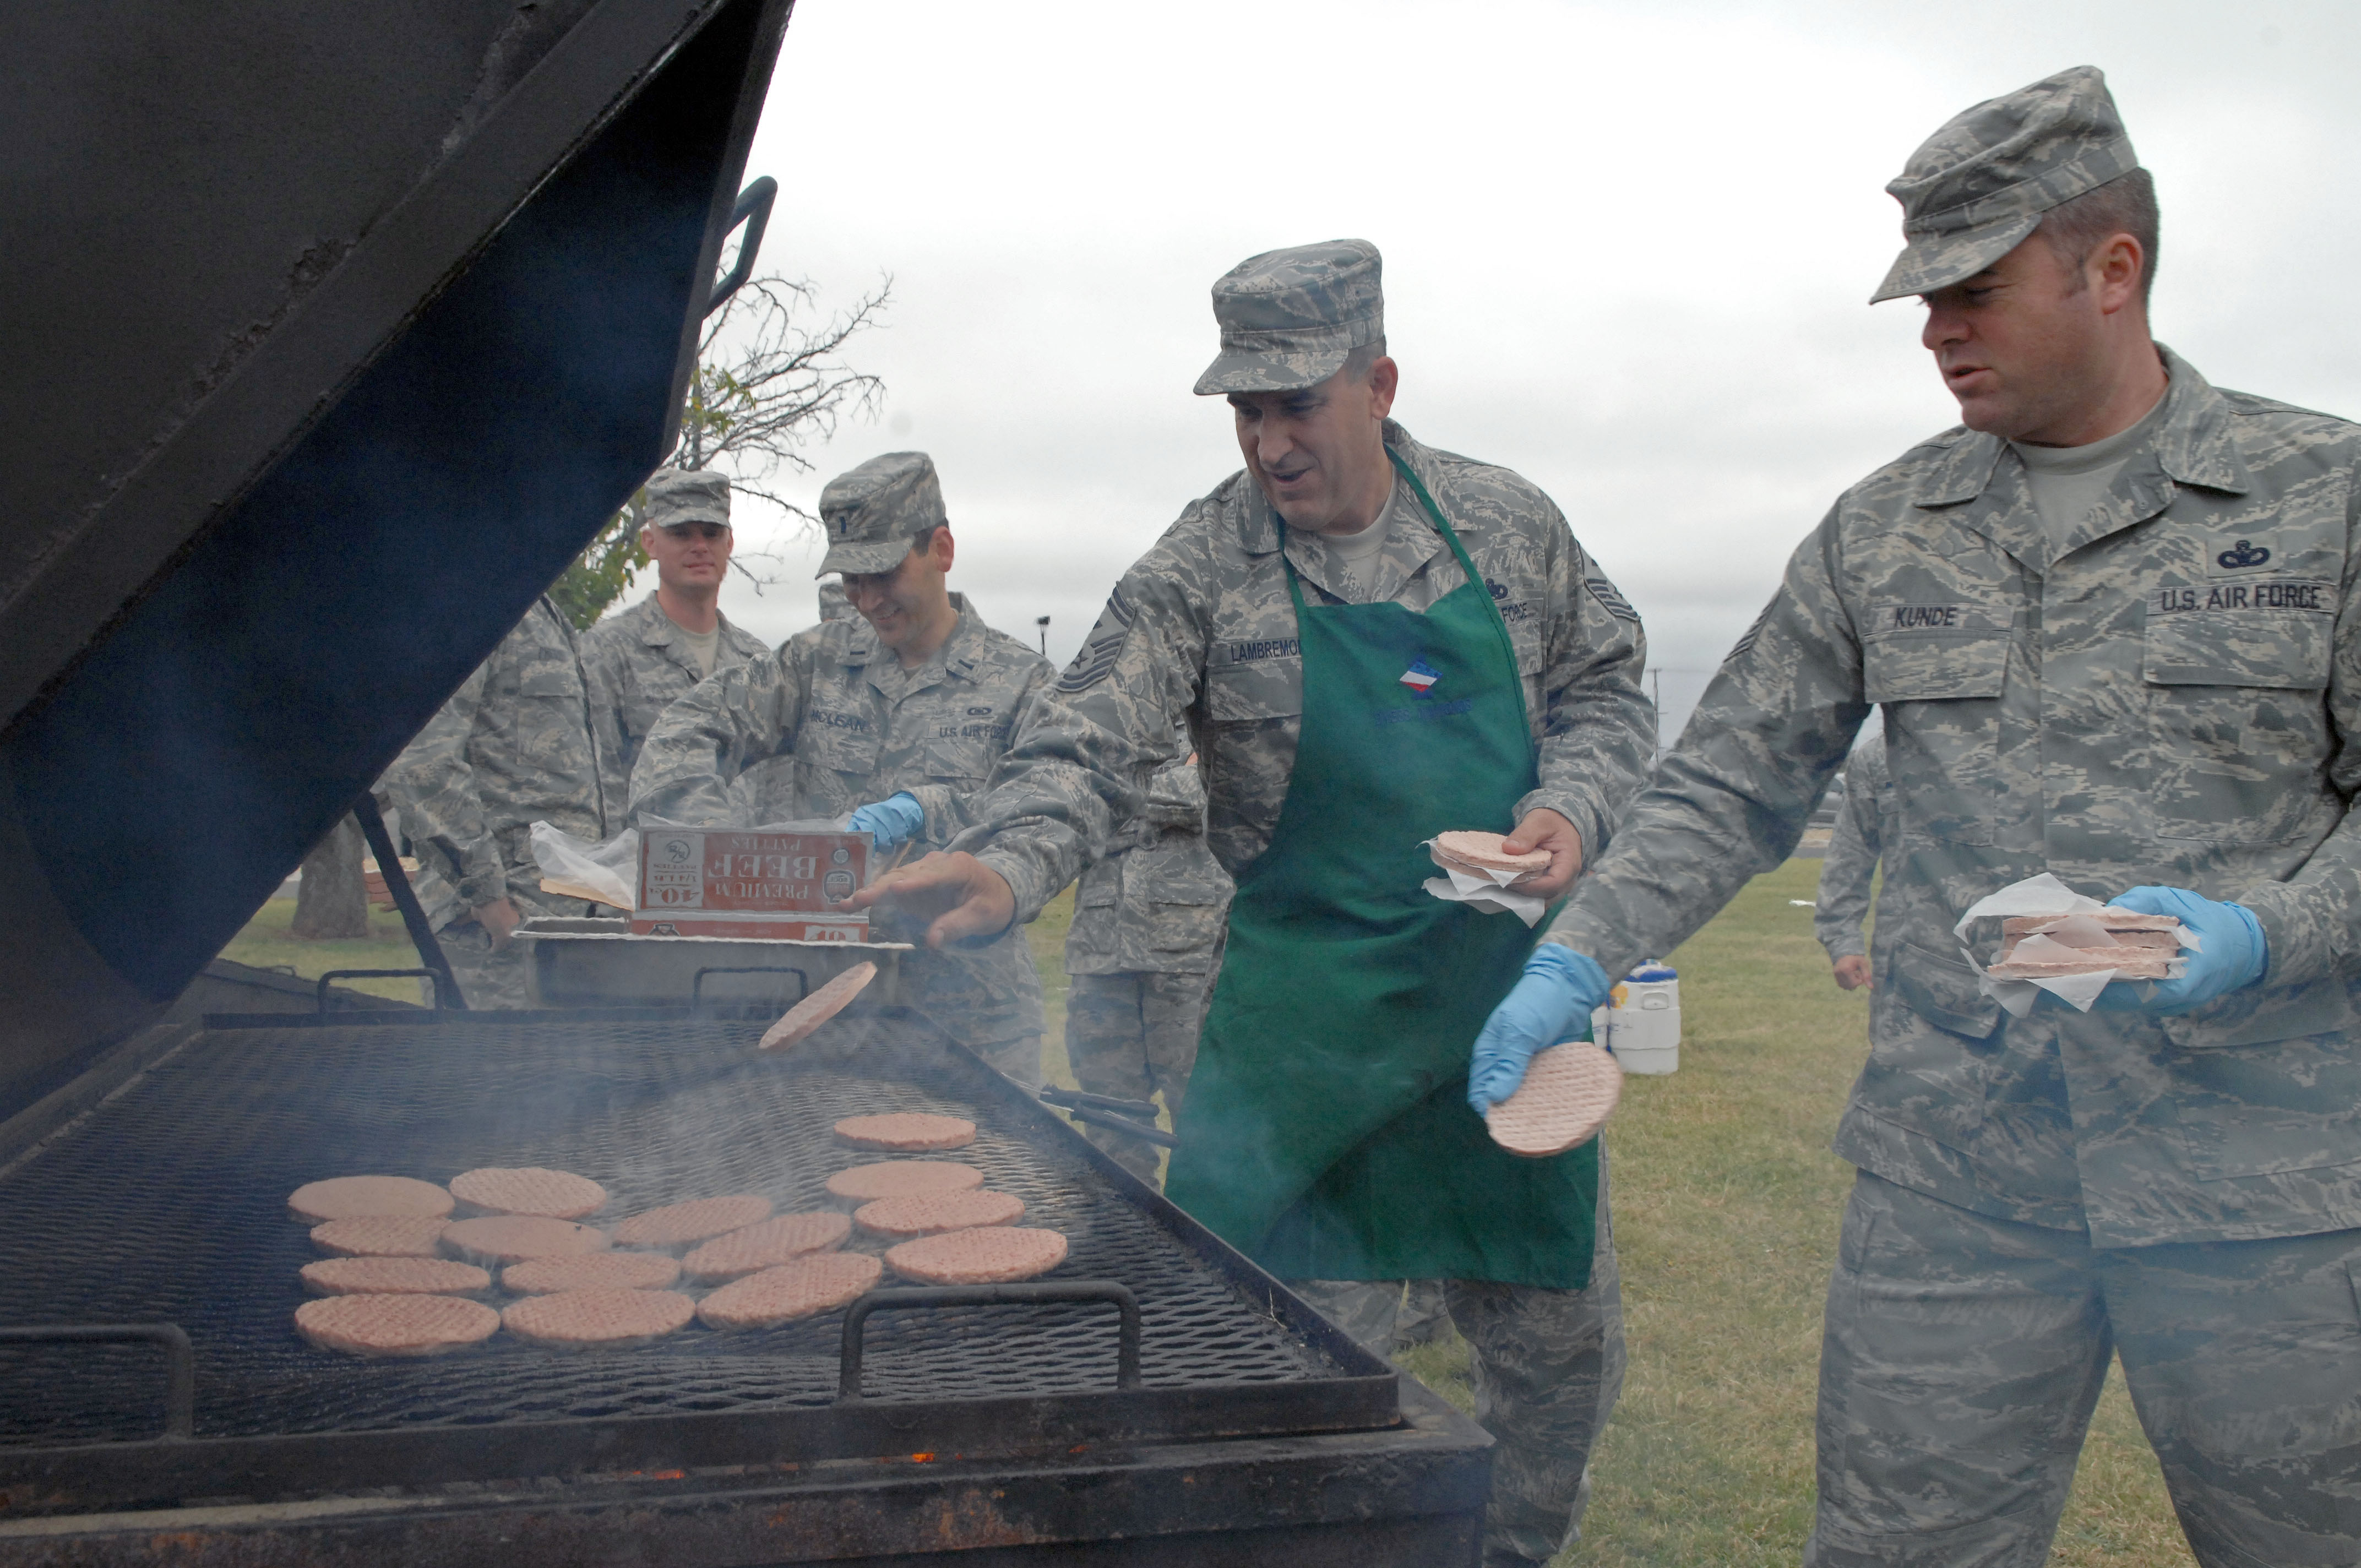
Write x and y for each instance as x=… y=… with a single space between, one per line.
x=1421 y=678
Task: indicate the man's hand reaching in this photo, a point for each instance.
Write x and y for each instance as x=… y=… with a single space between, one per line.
x=963 y=898
x=500 y=920
x=1545 y=829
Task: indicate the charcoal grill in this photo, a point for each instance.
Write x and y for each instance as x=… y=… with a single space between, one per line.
x=167 y=1206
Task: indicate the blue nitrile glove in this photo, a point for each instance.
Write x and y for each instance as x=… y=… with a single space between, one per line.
x=892 y=819
x=1560 y=990
x=2234 y=953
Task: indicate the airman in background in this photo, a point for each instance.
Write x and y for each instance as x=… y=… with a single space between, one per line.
x=893 y=718
x=514 y=745
x=1146 y=938
x=1862 y=831
x=641 y=660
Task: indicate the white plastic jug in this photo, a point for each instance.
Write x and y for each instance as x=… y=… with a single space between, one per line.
x=1644 y=1019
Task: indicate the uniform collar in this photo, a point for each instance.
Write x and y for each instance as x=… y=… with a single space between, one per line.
x=959 y=656
x=658 y=630
x=1410 y=540
x=2191 y=446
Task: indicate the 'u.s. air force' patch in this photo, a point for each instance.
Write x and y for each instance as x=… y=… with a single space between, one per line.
x=1099 y=650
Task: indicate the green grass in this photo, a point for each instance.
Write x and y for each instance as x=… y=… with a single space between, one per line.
x=265 y=943
x=1726 y=1204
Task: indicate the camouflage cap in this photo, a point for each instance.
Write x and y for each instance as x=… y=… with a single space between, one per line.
x=1978 y=187
x=871 y=512
x=1289 y=318
x=676 y=496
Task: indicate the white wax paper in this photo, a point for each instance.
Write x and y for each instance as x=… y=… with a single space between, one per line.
x=2044 y=894
x=1484 y=890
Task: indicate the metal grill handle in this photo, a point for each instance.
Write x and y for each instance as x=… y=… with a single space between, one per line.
x=441 y=980
x=1127 y=1353
x=697 y=981
x=1100 y=1111
x=180 y=1360
x=753 y=209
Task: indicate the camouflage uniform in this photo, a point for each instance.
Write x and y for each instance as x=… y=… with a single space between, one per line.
x=858 y=728
x=2172 y=698
x=1142 y=950
x=514 y=746
x=1547 y=1366
x=1842 y=902
x=1200 y=633
x=638 y=667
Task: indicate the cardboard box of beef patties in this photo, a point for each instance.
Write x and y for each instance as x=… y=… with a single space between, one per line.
x=714 y=882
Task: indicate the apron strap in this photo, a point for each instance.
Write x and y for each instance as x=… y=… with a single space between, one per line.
x=1450 y=537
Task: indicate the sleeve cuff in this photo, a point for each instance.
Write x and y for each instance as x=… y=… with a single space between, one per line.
x=480 y=888
x=2295 y=934
x=1023 y=882
x=1587 y=821
x=943 y=817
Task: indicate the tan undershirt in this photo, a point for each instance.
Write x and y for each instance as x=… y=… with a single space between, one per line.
x=2067 y=481
x=702 y=645
x=1357 y=554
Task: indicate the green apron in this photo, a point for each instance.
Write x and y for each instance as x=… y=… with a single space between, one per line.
x=1326 y=1131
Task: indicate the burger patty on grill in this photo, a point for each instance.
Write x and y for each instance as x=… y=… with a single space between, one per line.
x=590 y=1271
x=807 y=1015
x=700 y=1219
x=803 y=1288
x=937 y=1212
x=381 y=1236
x=529 y=1189
x=394 y=1277
x=903 y=1179
x=602 y=1319
x=995 y=1255
x=910 y=1132
x=395 y=1325
x=513 y=1238
x=767 y=1244
x=355 y=1196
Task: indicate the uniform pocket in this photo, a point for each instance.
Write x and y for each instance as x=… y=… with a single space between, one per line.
x=1941 y=989
x=837 y=742
x=1942 y=696
x=2238 y=722
x=2255 y=1016
x=955 y=759
x=551 y=682
x=1244 y=691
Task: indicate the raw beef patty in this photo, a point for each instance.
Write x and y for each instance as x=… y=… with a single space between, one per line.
x=803 y=1288
x=395 y=1325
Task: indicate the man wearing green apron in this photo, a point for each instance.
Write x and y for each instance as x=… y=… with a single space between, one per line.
x=1370 y=641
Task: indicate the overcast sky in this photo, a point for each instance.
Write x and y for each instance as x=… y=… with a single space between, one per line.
x=1626 y=249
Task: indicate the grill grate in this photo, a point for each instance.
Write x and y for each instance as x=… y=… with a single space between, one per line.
x=168 y=1205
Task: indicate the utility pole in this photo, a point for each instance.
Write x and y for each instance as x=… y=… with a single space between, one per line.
x=1656 y=681
x=1042 y=622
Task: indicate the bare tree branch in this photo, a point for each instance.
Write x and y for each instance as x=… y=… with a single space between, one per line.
x=766 y=385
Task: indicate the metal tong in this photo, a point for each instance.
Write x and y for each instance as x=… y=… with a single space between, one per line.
x=1135 y=1117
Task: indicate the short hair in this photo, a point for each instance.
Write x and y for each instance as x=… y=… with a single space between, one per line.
x=2126 y=205
x=924 y=540
x=1359 y=363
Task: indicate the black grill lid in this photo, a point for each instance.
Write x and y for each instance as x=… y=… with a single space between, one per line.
x=333 y=333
